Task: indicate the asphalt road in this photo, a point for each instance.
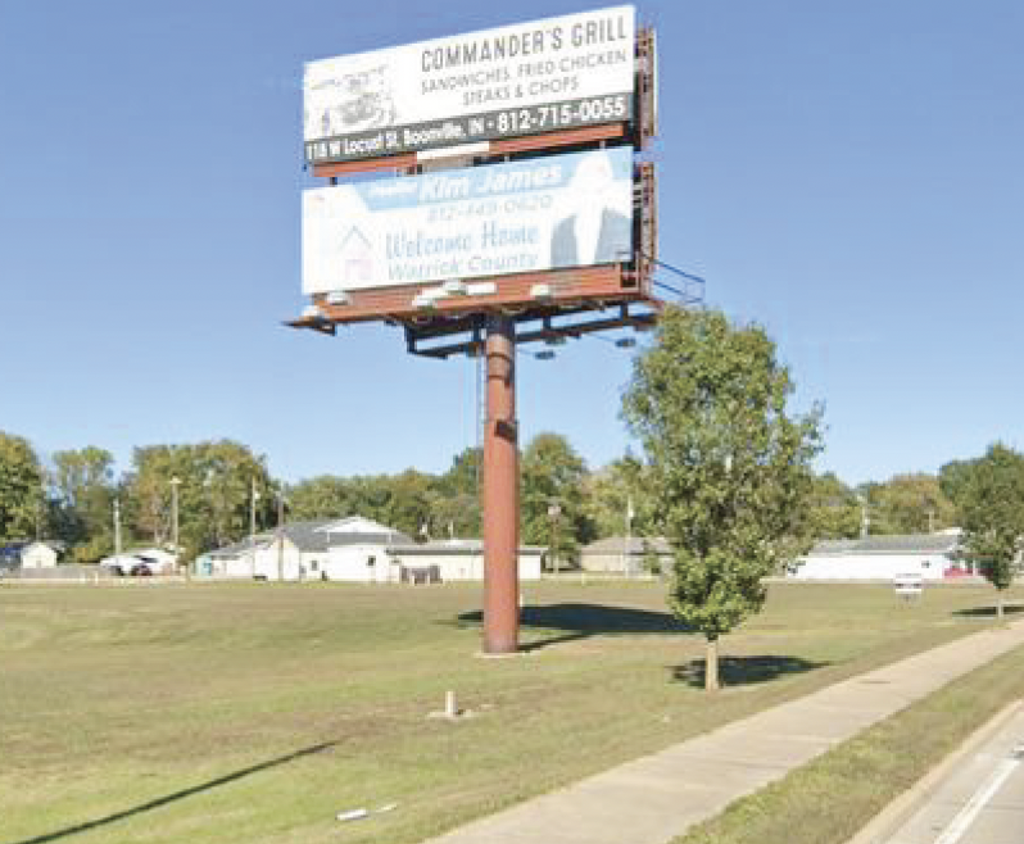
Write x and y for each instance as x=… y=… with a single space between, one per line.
x=980 y=801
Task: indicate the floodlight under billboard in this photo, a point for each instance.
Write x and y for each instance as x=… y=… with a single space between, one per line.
x=549 y=213
x=543 y=76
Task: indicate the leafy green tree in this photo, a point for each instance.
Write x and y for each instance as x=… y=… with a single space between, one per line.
x=215 y=493
x=909 y=503
x=728 y=465
x=22 y=501
x=992 y=506
x=614 y=492
x=551 y=498
x=954 y=479
x=322 y=497
x=457 y=509
x=834 y=511
x=82 y=483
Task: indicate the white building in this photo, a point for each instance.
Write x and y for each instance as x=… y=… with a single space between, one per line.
x=931 y=556
x=354 y=549
x=41 y=555
x=298 y=551
x=616 y=555
x=456 y=559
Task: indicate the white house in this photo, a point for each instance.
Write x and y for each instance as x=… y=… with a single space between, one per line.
x=931 y=556
x=40 y=554
x=354 y=549
x=456 y=559
x=338 y=549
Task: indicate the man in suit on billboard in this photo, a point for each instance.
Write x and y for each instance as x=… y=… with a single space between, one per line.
x=596 y=232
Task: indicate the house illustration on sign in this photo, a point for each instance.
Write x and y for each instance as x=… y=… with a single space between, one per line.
x=356 y=257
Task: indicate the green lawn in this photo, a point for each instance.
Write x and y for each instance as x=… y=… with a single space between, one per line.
x=255 y=713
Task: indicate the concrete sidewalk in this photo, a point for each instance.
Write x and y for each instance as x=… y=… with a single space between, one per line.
x=653 y=799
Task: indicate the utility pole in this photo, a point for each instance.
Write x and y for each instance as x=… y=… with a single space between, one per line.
x=554 y=511
x=627 y=560
x=175 y=483
x=117 y=527
x=280 y=537
x=252 y=530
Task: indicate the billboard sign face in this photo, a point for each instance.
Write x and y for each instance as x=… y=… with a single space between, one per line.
x=544 y=76
x=529 y=216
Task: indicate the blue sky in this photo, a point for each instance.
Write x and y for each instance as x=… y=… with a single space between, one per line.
x=850 y=175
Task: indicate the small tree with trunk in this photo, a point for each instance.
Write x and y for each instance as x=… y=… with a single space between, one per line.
x=992 y=509
x=729 y=468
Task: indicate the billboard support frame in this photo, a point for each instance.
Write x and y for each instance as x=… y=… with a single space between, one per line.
x=489 y=317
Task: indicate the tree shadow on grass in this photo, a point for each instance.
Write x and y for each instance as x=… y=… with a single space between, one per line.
x=989 y=612
x=745 y=670
x=158 y=802
x=581 y=621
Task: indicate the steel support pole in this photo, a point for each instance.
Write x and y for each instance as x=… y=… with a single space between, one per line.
x=501 y=492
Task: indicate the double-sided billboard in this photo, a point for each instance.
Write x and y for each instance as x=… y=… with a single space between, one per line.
x=543 y=76
x=527 y=216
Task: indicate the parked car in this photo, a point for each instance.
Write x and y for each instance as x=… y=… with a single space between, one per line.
x=120 y=564
x=136 y=564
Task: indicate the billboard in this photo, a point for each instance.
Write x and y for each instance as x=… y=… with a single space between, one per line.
x=528 y=216
x=544 y=76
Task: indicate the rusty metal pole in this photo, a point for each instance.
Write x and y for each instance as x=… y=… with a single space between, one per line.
x=501 y=491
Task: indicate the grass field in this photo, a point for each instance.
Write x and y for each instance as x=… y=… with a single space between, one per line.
x=257 y=712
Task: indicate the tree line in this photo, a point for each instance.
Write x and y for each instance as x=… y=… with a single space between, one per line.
x=564 y=504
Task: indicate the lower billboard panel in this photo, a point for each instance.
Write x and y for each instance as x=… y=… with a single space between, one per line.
x=529 y=216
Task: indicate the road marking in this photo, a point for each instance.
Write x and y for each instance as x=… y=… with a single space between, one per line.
x=968 y=813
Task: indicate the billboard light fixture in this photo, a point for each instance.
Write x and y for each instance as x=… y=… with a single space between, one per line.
x=454 y=287
x=424 y=302
x=547 y=354
x=626 y=342
x=482 y=288
x=337 y=297
x=310 y=312
x=542 y=291
x=555 y=341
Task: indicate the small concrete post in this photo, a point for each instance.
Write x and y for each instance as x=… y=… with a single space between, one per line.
x=451 y=709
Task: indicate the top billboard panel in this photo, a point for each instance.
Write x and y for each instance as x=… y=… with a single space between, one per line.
x=543 y=76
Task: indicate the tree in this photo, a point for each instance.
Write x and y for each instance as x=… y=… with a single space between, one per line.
x=457 y=510
x=992 y=506
x=954 y=478
x=551 y=506
x=21 y=488
x=612 y=493
x=909 y=503
x=729 y=466
x=214 y=495
x=835 y=511
x=82 y=482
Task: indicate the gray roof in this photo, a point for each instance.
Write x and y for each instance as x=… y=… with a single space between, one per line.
x=638 y=545
x=913 y=543
x=310 y=537
x=451 y=546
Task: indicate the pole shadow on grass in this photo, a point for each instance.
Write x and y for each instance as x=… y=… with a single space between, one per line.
x=745 y=670
x=581 y=621
x=158 y=802
x=990 y=611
